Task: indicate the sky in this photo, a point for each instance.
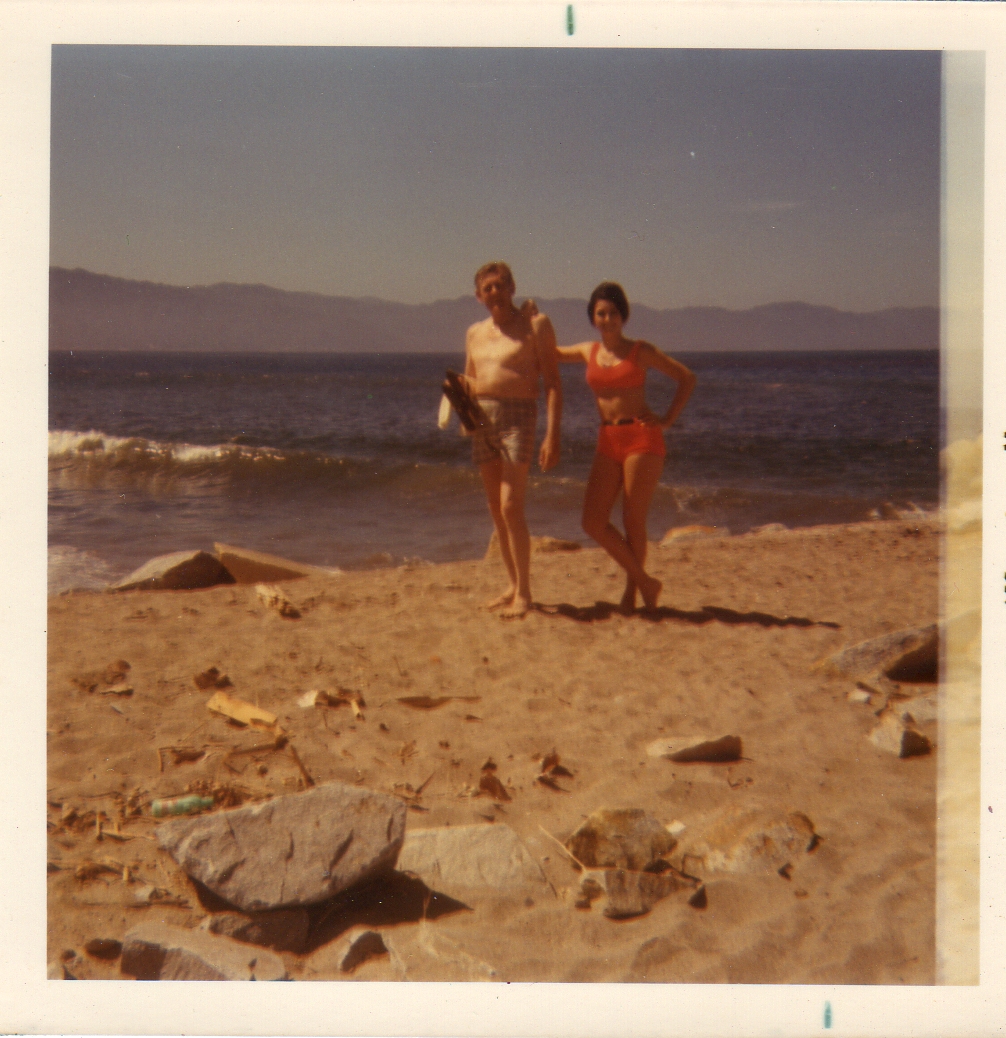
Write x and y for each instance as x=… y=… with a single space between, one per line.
x=729 y=178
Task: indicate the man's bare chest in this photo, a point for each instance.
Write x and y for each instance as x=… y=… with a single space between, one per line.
x=496 y=347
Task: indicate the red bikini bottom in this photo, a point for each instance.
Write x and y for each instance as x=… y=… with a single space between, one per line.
x=620 y=442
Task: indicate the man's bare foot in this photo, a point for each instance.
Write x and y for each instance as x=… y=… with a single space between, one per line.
x=627 y=606
x=517 y=608
x=504 y=600
x=651 y=592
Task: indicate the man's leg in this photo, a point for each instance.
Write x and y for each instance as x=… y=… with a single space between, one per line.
x=513 y=487
x=492 y=476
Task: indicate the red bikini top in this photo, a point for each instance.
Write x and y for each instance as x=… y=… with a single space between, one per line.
x=626 y=374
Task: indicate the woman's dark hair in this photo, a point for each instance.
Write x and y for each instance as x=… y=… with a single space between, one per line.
x=613 y=293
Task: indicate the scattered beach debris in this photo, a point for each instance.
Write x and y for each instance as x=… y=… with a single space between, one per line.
x=908 y=656
x=342 y=697
x=432 y=702
x=292 y=850
x=273 y=597
x=89 y=869
x=620 y=838
x=253 y=567
x=360 y=947
x=284 y=929
x=627 y=893
x=551 y=770
x=187 y=805
x=180 y=755
x=159 y=951
x=859 y=695
x=695 y=749
x=111 y=677
x=461 y=860
x=148 y=896
x=690 y=533
x=752 y=840
x=492 y=786
x=103 y=948
x=894 y=735
x=238 y=710
x=212 y=678
x=179 y=571
x=412 y=797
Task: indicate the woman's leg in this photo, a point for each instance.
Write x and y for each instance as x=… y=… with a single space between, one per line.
x=602 y=488
x=640 y=474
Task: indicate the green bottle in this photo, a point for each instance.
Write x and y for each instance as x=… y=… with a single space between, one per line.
x=189 y=805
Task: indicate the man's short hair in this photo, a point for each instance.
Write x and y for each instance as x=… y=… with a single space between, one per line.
x=494 y=267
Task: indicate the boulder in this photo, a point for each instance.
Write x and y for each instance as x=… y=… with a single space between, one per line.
x=627 y=893
x=159 y=951
x=179 y=571
x=894 y=735
x=751 y=841
x=254 y=567
x=284 y=929
x=910 y=655
x=293 y=850
x=465 y=859
x=626 y=838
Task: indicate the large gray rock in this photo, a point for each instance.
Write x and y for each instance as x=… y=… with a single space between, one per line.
x=909 y=656
x=254 y=567
x=285 y=929
x=159 y=951
x=621 y=838
x=460 y=860
x=293 y=850
x=180 y=571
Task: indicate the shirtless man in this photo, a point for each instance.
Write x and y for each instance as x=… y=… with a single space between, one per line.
x=504 y=357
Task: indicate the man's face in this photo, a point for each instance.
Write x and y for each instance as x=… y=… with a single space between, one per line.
x=495 y=292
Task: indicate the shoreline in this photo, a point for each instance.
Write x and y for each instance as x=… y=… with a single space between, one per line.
x=734 y=649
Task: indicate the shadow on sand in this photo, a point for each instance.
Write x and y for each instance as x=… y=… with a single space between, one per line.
x=707 y=614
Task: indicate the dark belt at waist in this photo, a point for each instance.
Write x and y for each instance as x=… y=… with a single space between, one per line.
x=621 y=421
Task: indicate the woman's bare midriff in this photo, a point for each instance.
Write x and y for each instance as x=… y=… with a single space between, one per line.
x=627 y=403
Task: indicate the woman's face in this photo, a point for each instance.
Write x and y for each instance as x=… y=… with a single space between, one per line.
x=607 y=319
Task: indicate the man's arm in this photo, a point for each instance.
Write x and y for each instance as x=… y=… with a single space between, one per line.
x=548 y=363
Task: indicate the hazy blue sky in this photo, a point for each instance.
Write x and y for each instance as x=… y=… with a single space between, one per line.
x=730 y=178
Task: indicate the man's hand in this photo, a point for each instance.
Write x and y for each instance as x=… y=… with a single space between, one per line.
x=548 y=456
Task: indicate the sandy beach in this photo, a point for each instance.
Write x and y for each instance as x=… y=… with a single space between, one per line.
x=734 y=650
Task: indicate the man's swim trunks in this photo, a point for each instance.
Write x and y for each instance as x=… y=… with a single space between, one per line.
x=514 y=423
x=619 y=442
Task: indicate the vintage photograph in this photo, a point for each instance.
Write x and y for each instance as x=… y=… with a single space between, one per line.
x=496 y=499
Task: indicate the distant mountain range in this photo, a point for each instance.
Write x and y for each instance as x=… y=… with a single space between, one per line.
x=96 y=312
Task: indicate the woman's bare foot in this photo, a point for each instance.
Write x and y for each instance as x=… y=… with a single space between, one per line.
x=505 y=599
x=517 y=608
x=627 y=606
x=651 y=592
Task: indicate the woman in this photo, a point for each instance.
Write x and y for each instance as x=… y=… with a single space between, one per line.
x=630 y=446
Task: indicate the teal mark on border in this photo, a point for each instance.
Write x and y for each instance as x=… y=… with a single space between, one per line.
x=569 y=20
x=827 y=1014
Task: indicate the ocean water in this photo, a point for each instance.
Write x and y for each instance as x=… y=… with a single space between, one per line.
x=337 y=459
